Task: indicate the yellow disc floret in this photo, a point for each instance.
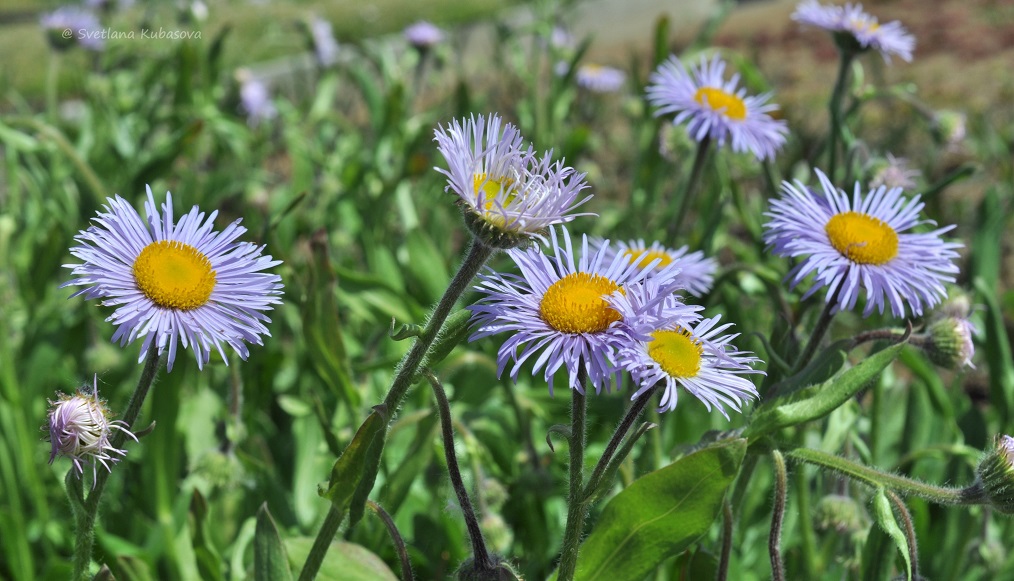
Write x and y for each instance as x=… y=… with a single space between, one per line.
x=174 y=275
x=488 y=188
x=644 y=257
x=721 y=101
x=576 y=304
x=861 y=238
x=676 y=352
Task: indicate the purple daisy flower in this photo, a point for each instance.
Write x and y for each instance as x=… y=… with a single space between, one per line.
x=862 y=243
x=79 y=428
x=600 y=78
x=255 y=98
x=716 y=108
x=697 y=273
x=559 y=306
x=423 y=34
x=674 y=347
x=175 y=283
x=506 y=188
x=324 y=44
x=68 y=25
x=887 y=39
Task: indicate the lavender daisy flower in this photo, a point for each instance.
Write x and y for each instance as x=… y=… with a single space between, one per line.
x=68 y=25
x=715 y=108
x=697 y=273
x=175 y=283
x=675 y=348
x=324 y=44
x=600 y=78
x=79 y=428
x=558 y=306
x=861 y=243
x=509 y=193
x=423 y=35
x=255 y=99
x=851 y=23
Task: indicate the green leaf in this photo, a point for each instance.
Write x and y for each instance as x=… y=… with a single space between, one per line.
x=884 y=515
x=878 y=559
x=426 y=265
x=816 y=401
x=343 y=561
x=453 y=331
x=270 y=562
x=659 y=515
x=997 y=351
x=348 y=468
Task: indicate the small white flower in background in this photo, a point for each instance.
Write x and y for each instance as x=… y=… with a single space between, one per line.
x=895 y=173
x=79 y=428
x=423 y=34
x=857 y=27
x=600 y=78
x=324 y=44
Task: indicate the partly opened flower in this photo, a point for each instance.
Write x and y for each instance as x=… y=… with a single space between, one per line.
x=558 y=307
x=79 y=428
x=715 y=108
x=696 y=275
x=423 y=34
x=600 y=78
x=175 y=283
x=856 y=30
x=509 y=193
x=674 y=348
x=862 y=243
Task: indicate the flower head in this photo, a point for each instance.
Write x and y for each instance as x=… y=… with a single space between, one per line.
x=175 y=283
x=559 y=306
x=79 y=428
x=324 y=45
x=715 y=108
x=423 y=34
x=861 y=243
x=509 y=193
x=673 y=347
x=68 y=25
x=894 y=173
x=600 y=78
x=255 y=98
x=696 y=275
x=856 y=30
x=949 y=342
x=995 y=475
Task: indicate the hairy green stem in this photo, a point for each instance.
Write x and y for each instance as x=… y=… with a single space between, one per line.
x=399 y=542
x=876 y=478
x=778 y=517
x=906 y=519
x=85 y=518
x=614 y=442
x=823 y=324
x=325 y=535
x=690 y=188
x=576 y=506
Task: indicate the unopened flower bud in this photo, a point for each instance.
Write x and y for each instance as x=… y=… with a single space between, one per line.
x=79 y=428
x=839 y=513
x=995 y=475
x=949 y=342
x=949 y=127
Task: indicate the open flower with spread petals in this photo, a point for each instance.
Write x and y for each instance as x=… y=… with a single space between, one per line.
x=673 y=347
x=715 y=108
x=862 y=243
x=697 y=273
x=509 y=193
x=558 y=307
x=175 y=283
x=79 y=428
x=857 y=31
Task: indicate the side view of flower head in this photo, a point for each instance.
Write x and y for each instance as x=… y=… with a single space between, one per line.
x=79 y=428
x=175 y=283
x=558 y=306
x=862 y=243
x=673 y=347
x=858 y=26
x=697 y=273
x=715 y=108
x=509 y=192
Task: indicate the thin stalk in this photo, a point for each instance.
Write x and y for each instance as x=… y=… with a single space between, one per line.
x=690 y=188
x=85 y=519
x=727 y=522
x=876 y=478
x=614 y=442
x=906 y=519
x=325 y=535
x=480 y=555
x=399 y=542
x=834 y=108
x=778 y=517
x=576 y=507
x=823 y=323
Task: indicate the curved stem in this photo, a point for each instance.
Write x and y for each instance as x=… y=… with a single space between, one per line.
x=690 y=188
x=875 y=478
x=480 y=555
x=906 y=519
x=399 y=542
x=576 y=507
x=85 y=518
x=778 y=517
x=614 y=442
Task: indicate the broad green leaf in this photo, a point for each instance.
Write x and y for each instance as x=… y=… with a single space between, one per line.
x=270 y=561
x=659 y=515
x=884 y=515
x=348 y=468
x=821 y=399
x=343 y=561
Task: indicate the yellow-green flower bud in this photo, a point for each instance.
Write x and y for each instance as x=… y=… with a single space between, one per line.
x=996 y=475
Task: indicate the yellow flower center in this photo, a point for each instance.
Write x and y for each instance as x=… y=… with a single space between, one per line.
x=676 y=352
x=644 y=257
x=488 y=189
x=863 y=25
x=862 y=239
x=575 y=304
x=174 y=275
x=732 y=106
